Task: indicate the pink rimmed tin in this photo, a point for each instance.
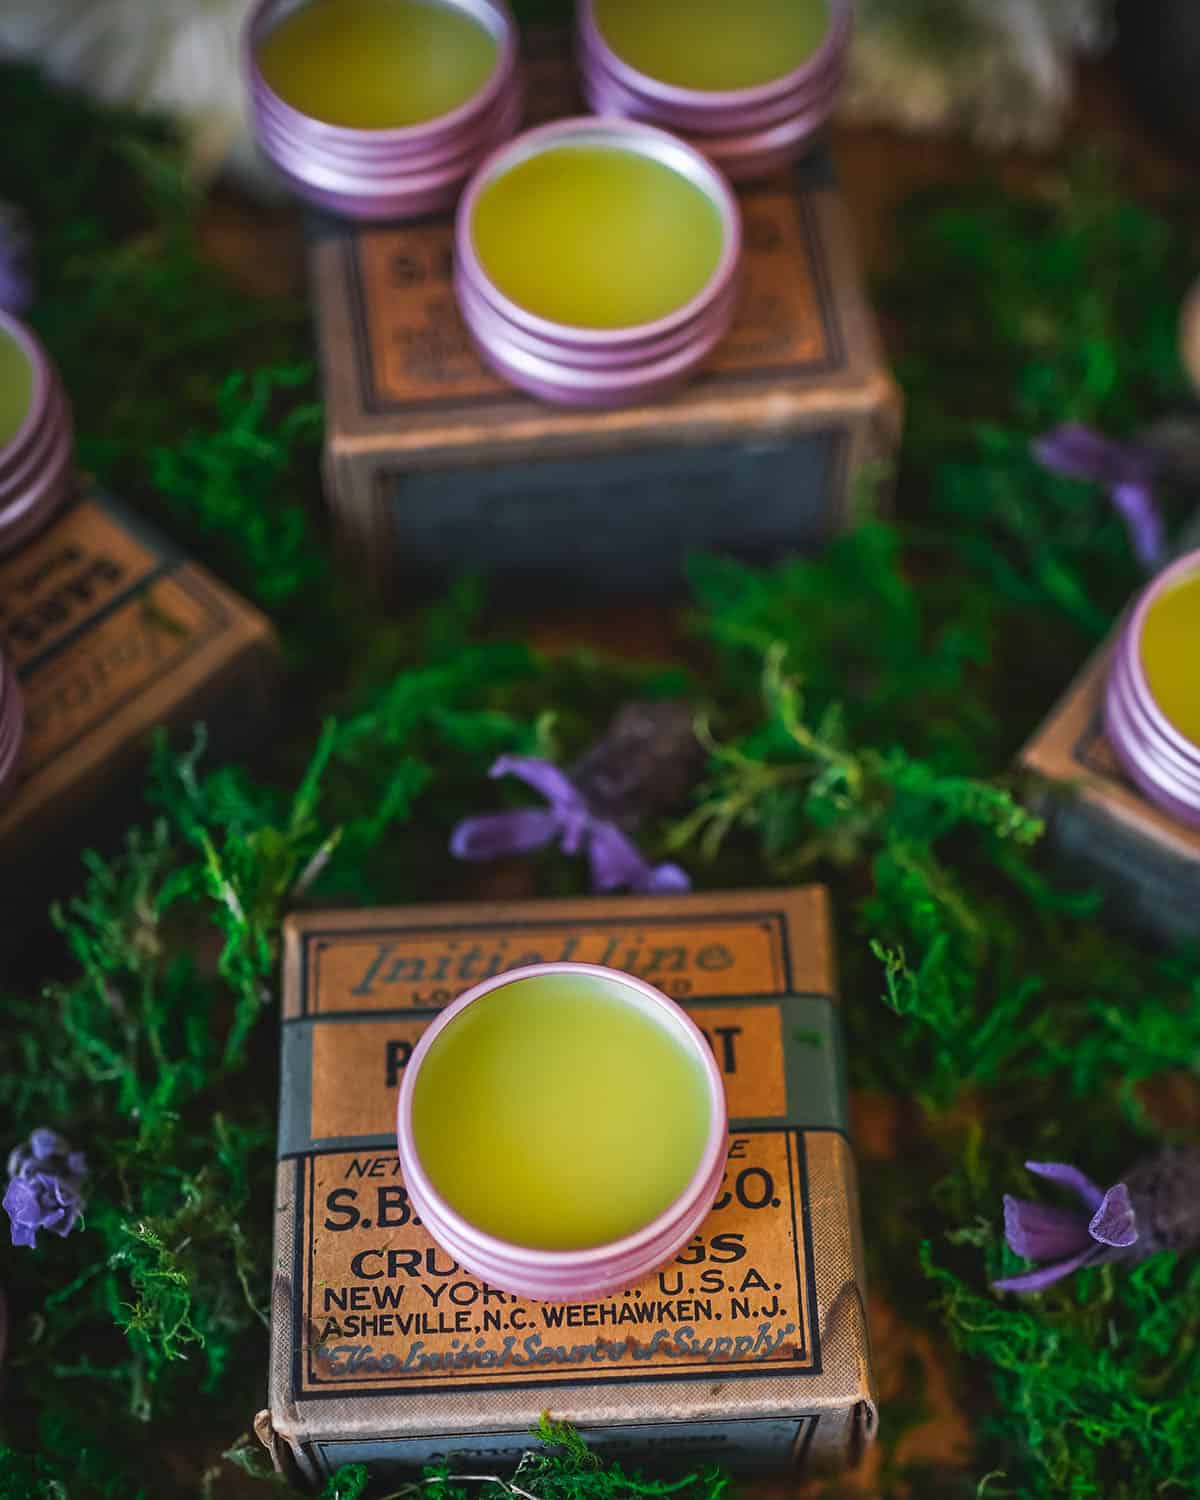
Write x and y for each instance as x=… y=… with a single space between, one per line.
x=401 y=173
x=569 y=1275
x=597 y=367
x=750 y=132
x=36 y=462
x=1164 y=763
x=12 y=727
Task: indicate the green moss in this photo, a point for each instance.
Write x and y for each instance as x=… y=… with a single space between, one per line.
x=863 y=709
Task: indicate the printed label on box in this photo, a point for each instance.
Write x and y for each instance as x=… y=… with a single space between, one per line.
x=425 y=968
x=747 y=1043
x=74 y=691
x=385 y=1310
x=66 y=577
x=401 y=287
x=92 y=617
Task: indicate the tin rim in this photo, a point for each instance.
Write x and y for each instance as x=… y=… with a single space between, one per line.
x=1162 y=760
x=670 y=151
x=493 y=325
x=579 y=385
x=40 y=394
x=366 y=153
x=396 y=179
x=703 y=117
x=654 y=90
x=39 y=482
x=619 y=99
x=727 y=148
x=493 y=14
x=1183 y=567
x=597 y=1258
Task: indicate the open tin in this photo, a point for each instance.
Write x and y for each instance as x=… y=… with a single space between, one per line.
x=597 y=366
x=574 y=1275
x=1161 y=760
x=748 y=132
x=403 y=172
x=36 y=462
x=12 y=727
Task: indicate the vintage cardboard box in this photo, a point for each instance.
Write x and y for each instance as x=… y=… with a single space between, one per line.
x=113 y=632
x=750 y=1348
x=1101 y=825
x=433 y=466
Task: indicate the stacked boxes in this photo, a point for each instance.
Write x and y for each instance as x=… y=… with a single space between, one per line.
x=750 y=1348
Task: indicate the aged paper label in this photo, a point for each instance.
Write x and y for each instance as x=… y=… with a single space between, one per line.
x=107 y=665
x=401 y=280
x=65 y=578
x=92 y=618
x=1071 y=746
x=423 y=969
x=357 y=1067
x=382 y=1308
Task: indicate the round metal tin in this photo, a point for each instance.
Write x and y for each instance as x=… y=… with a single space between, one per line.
x=611 y=358
x=747 y=132
x=398 y=173
x=1164 y=763
x=597 y=367
x=600 y=382
x=12 y=727
x=568 y=1275
x=36 y=472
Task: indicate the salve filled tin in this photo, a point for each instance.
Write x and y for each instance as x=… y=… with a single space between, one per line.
x=381 y=109
x=597 y=261
x=36 y=443
x=562 y=1130
x=1152 y=700
x=749 y=84
x=12 y=726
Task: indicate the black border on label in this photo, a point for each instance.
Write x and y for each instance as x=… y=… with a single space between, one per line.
x=217 y=622
x=772 y=921
x=372 y=403
x=1083 y=753
x=806 y=1422
x=302 y=1315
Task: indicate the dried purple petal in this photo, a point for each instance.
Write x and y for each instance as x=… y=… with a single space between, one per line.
x=497 y=835
x=617 y=862
x=1127 y=472
x=1069 y=1177
x=1039 y=1231
x=1114 y=1222
x=1156 y=1207
x=45 y=1189
x=16 y=260
x=1044 y=1276
x=543 y=777
x=579 y=826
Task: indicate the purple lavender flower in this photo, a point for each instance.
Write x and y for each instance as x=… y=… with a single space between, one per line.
x=615 y=859
x=1156 y=1207
x=45 y=1188
x=1127 y=472
x=16 y=261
